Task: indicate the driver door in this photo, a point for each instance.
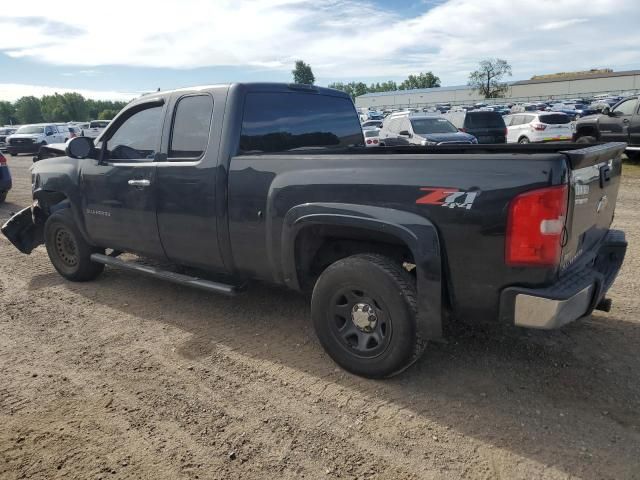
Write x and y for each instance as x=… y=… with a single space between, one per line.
x=615 y=126
x=118 y=191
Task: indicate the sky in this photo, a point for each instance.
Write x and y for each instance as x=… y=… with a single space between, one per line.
x=120 y=49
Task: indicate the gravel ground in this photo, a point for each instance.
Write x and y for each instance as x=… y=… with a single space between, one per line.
x=128 y=377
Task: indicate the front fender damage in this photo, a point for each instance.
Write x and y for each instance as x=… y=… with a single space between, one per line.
x=25 y=230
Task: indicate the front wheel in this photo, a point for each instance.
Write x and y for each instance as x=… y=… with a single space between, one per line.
x=364 y=314
x=68 y=251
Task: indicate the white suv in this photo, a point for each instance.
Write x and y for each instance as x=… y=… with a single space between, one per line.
x=538 y=127
x=96 y=127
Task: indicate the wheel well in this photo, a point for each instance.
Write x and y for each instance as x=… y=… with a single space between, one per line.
x=49 y=202
x=587 y=131
x=522 y=136
x=319 y=246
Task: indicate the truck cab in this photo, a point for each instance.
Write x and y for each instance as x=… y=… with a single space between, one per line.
x=619 y=124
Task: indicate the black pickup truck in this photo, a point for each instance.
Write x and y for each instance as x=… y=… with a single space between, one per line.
x=223 y=184
x=621 y=123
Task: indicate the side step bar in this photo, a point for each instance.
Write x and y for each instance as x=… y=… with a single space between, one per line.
x=217 y=287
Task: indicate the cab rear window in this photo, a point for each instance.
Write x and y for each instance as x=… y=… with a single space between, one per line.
x=281 y=122
x=555 y=119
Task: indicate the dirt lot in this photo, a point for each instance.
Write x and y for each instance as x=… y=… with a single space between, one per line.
x=129 y=377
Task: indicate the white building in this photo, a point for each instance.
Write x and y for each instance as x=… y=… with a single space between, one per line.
x=584 y=84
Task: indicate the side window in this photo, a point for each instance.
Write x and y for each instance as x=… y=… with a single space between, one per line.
x=516 y=120
x=191 y=125
x=286 y=121
x=627 y=108
x=527 y=119
x=48 y=131
x=138 y=137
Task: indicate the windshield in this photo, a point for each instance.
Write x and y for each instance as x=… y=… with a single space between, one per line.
x=423 y=126
x=30 y=129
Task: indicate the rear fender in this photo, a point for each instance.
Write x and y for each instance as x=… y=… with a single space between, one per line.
x=416 y=232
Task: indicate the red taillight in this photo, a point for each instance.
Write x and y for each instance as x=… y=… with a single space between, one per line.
x=535 y=227
x=462 y=130
x=538 y=126
x=369 y=142
x=3 y=160
x=375 y=140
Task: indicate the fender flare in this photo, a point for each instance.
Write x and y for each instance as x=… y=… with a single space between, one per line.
x=415 y=231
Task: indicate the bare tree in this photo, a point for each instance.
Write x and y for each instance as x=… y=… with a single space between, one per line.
x=487 y=80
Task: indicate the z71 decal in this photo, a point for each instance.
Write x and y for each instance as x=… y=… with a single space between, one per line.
x=447 y=197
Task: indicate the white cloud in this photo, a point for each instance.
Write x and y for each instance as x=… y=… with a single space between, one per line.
x=13 y=91
x=339 y=38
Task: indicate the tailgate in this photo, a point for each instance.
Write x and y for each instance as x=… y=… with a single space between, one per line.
x=594 y=182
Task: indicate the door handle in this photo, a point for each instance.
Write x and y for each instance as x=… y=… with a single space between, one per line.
x=626 y=120
x=139 y=183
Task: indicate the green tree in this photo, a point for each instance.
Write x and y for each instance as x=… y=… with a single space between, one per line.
x=487 y=80
x=302 y=73
x=52 y=108
x=75 y=107
x=422 y=80
x=28 y=110
x=107 y=114
x=7 y=113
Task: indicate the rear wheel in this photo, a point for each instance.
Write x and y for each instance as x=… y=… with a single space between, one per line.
x=633 y=156
x=364 y=314
x=69 y=253
x=586 y=139
x=523 y=140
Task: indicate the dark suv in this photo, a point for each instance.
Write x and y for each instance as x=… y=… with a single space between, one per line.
x=421 y=130
x=487 y=127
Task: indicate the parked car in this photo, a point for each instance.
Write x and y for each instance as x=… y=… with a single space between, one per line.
x=274 y=184
x=620 y=124
x=5 y=178
x=74 y=131
x=538 y=127
x=372 y=124
x=486 y=126
x=421 y=130
x=29 y=138
x=372 y=137
x=95 y=128
x=524 y=107
x=4 y=133
x=64 y=130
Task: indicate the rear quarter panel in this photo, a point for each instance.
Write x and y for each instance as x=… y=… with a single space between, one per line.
x=263 y=188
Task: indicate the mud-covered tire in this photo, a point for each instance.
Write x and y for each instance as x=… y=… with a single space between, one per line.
x=374 y=285
x=68 y=251
x=586 y=139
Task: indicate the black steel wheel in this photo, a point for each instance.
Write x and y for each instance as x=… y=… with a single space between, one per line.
x=364 y=314
x=68 y=251
x=361 y=322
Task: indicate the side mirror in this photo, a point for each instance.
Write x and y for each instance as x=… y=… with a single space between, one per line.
x=80 y=147
x=48 y=133
x=405 y=133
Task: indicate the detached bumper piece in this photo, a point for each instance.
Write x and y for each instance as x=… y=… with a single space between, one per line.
x=574 y=296
x=23 y=231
